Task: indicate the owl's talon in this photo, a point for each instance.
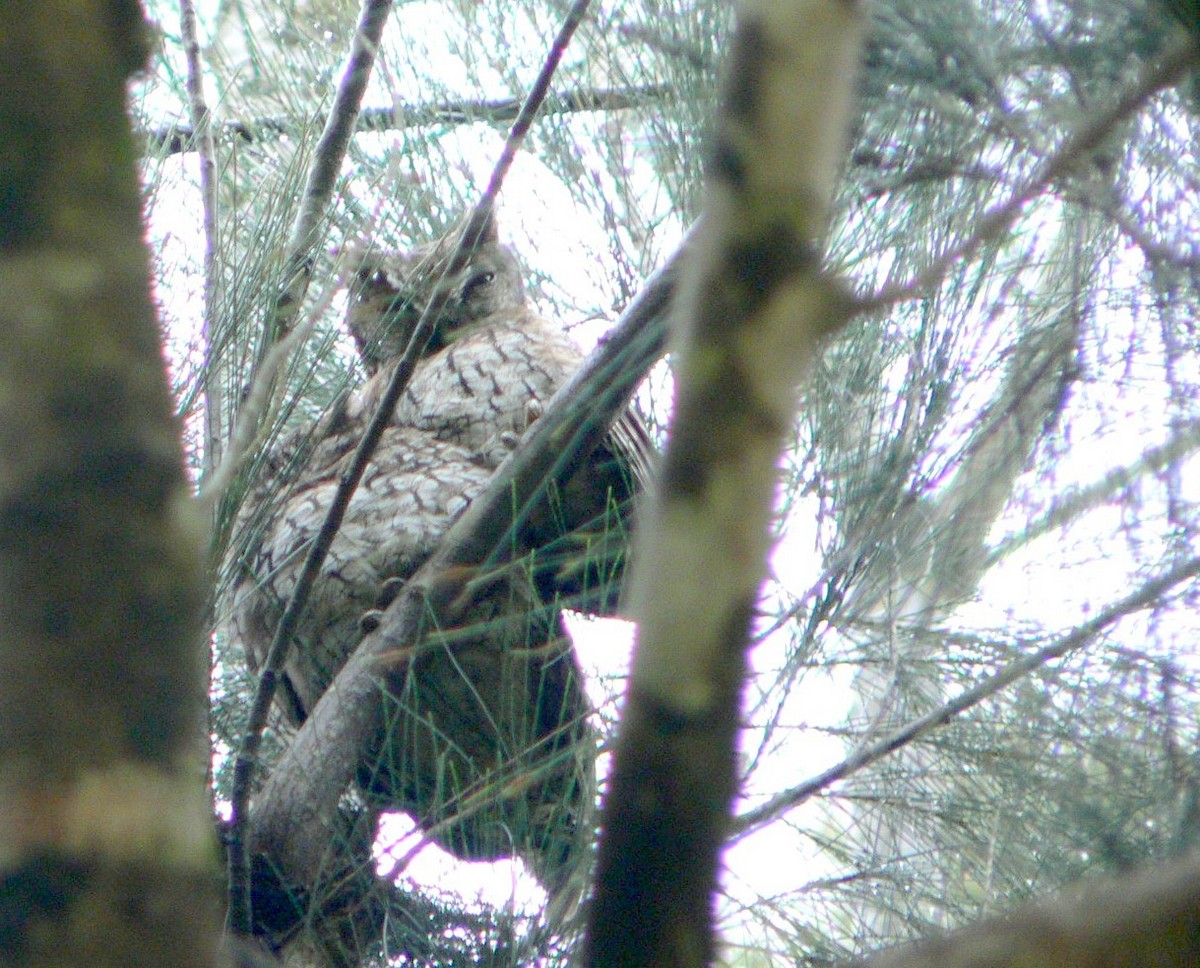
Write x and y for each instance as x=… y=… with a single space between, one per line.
x=533 y=410
x=370 y=621
x=388 y=591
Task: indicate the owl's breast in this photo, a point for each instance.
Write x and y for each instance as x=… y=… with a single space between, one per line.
x=486 y=387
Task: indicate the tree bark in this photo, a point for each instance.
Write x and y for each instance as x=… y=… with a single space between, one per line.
x=1150 y=919
x=753 y=305
x=107 y=854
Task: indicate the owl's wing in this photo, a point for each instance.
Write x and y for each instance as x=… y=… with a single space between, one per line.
x=414 y=489
x=283 y=470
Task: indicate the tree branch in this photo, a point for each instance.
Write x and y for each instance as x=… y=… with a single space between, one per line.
x=1148 y=596
x=280 y=335
x=327 y=162
x=753 y=306
x=1150 y=918
x=105 y=825
x=214 y=406
x=181 y=137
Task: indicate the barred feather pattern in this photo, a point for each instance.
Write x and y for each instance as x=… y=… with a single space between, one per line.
x=485 y=722
x=408 y=497
x=484 y=390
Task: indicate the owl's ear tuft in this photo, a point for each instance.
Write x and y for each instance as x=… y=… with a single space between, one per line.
x=352 y=260
x=487 y=230
x=490 y=230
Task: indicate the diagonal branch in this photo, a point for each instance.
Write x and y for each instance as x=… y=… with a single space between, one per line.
x=280 y=333
x=1141 y=919
x=327 y=162
x=1149 y=595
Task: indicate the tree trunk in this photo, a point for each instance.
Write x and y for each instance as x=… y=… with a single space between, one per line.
x=107 y=855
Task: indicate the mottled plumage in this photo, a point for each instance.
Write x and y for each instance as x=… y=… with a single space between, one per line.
x=409 y=496
x=492 y=363
x=495 y=704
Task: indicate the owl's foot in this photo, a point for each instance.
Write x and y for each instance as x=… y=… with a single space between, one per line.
x=533 y=410
x=373 y=617
x=388 y=591
x=509 y=439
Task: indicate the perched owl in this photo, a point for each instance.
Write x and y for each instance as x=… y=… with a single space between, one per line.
x=488 y=722
x=491 y=366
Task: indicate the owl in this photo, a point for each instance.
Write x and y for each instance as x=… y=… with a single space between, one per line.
x=491 y=366
x=485 y=739
x=491 y=363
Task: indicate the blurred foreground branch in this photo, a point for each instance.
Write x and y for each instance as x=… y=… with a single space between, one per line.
x=1150 y=919
x=105 y=832
x=752 y=308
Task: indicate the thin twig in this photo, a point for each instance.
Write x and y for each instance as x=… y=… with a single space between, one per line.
x=241 y=919
x=214 y=405
x=1182 y=443
x=1000 y=219
x=1147 y=596
x=516 y=136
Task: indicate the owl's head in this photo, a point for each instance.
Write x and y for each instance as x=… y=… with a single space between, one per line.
x=390 y=291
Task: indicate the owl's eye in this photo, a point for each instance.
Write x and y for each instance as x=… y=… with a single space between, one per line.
x=371 y=284
x=476 y=282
